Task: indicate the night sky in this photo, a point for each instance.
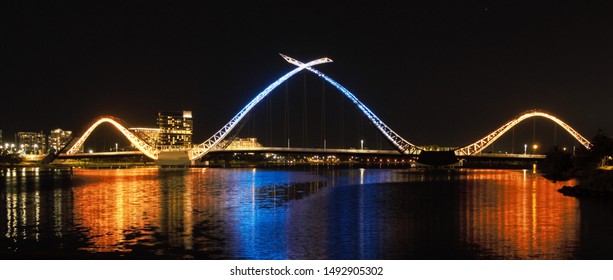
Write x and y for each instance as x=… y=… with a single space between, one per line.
x=436 y=73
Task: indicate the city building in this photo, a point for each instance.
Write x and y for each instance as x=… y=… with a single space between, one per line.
x=58 y=138
x=31 y=142
x=176 y=129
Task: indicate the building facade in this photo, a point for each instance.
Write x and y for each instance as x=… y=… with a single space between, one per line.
x=32 y=142
x=58 y=138
x=176 y=129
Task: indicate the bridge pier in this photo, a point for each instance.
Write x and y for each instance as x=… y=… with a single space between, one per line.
x=173 y=158
x=437 y=158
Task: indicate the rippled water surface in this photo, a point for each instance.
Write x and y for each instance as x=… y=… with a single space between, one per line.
x=297 y=214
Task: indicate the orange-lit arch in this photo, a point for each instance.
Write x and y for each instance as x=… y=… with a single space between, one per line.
x=484 y=142
x=140 y=144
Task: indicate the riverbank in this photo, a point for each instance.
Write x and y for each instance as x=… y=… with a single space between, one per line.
x=597 y=184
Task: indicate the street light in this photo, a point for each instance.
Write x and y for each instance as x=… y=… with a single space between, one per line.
x=116 y=147
x=525 y=149
x=534 y=147
x=361 y=144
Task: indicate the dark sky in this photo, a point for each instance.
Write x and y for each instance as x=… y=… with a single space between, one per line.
x=436 y=73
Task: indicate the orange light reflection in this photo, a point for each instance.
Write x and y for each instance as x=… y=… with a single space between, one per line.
x=518 y=213
x=115 y=202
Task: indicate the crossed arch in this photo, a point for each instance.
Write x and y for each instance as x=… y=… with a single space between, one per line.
x=200 y=150
x=140 y=144
x=484 y=142
x=402 y=145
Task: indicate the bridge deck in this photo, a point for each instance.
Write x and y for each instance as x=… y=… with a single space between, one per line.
x=102 y=154
x=308 y=151
x=505 y=156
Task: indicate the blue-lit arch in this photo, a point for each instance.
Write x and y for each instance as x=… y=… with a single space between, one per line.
x=402 y=145
x=203 y=148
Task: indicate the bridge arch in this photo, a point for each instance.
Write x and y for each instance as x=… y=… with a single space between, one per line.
x=402 y=145
x=484 y=142
x=203 y=148
x=140 y=144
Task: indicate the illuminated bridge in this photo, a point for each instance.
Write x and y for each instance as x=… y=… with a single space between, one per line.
x=401 y=146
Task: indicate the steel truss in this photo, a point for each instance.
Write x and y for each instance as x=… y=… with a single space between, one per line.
x=484 y=142
x=139 y=143
x=203 y=148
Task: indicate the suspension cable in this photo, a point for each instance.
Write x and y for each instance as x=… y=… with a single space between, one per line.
x=323 y=113
x=305 y=130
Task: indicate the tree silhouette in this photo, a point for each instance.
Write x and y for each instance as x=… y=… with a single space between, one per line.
x=558 y=164
x=7 y=157
x=602 y=148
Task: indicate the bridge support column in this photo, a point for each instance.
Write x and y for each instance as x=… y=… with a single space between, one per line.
x=173 y=158
x=437 y=158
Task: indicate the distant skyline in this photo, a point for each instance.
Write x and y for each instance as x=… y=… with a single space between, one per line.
x=439 y=73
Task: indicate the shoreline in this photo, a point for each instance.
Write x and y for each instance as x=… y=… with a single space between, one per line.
x=597 y=184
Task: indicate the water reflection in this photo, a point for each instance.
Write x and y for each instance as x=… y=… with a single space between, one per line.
x=35 y=210
x=113 y=203
x=293 y=214
x=511 y=214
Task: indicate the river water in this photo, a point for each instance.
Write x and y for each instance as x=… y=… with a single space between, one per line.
x=317 y=213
